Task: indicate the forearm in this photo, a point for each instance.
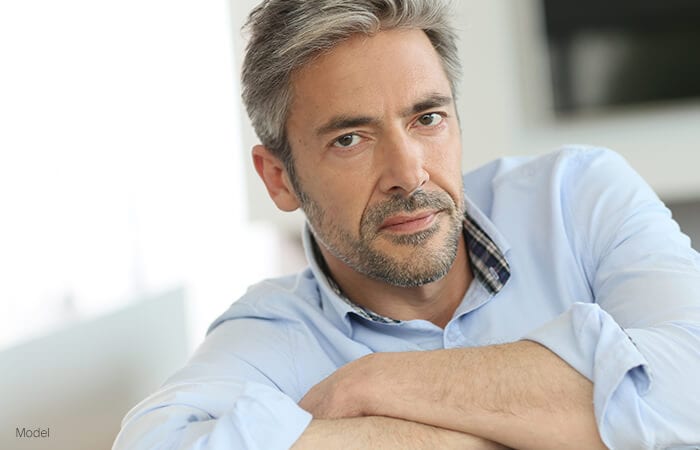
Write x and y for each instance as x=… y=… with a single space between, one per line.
x=520 y=394
x=385 y=433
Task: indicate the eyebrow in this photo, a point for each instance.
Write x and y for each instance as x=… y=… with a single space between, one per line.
x=429 y=102
x=341 y=122
x=344 y=121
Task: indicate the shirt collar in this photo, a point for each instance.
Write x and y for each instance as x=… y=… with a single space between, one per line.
x=485 y=245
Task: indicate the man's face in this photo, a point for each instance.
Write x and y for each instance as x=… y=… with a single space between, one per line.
x=376 y=147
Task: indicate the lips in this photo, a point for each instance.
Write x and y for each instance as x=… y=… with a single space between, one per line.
x=405 y=221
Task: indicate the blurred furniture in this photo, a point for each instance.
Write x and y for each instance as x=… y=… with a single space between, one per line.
x=80 y=381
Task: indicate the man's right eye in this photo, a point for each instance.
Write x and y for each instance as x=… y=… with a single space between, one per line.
x=347 y=140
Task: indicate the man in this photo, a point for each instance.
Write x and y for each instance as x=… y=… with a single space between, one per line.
x=534 y=303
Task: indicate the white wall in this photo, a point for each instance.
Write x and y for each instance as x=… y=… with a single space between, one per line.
x=687 y=214
x=661 y=141
x=120 y=178
x=120 y=161
x=261 y=207
x=79 y=382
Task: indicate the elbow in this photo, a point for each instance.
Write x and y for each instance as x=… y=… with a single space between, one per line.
x=656 y=406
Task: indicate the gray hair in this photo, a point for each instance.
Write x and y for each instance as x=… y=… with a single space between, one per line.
x=286 y=34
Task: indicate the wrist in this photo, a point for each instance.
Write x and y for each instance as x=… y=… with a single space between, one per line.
x=366 y=385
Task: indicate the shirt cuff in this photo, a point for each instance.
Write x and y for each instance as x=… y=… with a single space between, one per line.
x=211 y=416
x=589 y=339
x=263 y=419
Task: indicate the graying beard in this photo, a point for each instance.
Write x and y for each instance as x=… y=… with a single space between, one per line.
x=376 y=265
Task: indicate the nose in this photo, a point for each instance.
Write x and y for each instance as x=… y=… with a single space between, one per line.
x=403 y=164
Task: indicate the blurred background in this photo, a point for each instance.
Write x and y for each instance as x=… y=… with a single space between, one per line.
x=131 y=216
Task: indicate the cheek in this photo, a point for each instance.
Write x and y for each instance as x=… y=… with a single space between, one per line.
x=446 y=149
x=446 y=169
x=342 y=200
x=340 y=191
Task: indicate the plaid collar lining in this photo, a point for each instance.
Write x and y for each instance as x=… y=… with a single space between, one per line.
x=488 y=264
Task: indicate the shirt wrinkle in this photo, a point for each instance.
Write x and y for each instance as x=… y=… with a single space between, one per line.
x=298 y=331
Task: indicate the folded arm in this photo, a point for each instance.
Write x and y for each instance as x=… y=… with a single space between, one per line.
x=520 y=395
x=221 y=401
x=385 y=433
x=623 y=368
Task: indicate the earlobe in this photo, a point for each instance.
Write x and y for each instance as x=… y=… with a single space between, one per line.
x=273 y=173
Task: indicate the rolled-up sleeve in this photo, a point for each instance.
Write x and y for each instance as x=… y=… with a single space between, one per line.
x=639 y=341
x=220 y=400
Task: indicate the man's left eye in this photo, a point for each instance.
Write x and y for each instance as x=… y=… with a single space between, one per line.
x=430 y=119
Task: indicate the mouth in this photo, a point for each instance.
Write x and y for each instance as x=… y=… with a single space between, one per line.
x=413 y=223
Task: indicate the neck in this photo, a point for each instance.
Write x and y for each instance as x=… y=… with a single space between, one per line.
x=435 y=302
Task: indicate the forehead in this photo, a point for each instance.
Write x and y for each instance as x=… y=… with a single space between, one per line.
x=374 y=74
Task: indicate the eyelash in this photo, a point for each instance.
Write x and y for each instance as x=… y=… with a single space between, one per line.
x=337 y=140
x=442 y=115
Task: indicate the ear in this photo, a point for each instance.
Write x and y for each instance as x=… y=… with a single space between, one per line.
x=273 y=173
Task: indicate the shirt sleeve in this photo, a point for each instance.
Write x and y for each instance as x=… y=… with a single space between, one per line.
x=225 y=397
x=639 y=342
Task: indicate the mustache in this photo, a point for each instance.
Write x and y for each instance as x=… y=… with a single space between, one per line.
x=377 y=214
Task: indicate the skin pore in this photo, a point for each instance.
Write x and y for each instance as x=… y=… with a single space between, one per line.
x=378 y=161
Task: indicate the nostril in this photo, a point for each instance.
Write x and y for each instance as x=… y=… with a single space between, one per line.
x=407 y=185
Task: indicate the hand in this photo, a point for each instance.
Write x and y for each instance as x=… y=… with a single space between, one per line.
x=342 y=394
x=347 y=394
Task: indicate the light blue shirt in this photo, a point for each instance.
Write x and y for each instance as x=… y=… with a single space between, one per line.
x=600 y=274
